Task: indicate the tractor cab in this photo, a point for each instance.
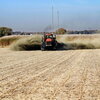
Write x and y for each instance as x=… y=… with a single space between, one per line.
x=49 y=35
x=48 y=41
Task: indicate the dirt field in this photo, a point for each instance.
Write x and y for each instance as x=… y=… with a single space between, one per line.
x=50 y=75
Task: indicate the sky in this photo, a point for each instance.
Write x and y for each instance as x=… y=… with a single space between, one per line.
x=36 y=15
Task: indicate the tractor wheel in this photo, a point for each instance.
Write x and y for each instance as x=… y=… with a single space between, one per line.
x=43 y=49
x=43 y=46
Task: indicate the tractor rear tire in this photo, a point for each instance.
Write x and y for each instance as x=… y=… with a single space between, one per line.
x=42 y=49
x=43 y=46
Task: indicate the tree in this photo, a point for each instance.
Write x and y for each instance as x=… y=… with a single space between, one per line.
x=61 y=31
x=4 y=31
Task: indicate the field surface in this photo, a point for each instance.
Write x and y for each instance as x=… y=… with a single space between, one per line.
x=50 y=75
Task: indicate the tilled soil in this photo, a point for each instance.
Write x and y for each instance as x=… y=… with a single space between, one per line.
x=49 y=75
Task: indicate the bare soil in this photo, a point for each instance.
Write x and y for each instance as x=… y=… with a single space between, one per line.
x=49 y=75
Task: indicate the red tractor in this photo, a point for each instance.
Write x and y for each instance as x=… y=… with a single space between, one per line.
x=49 y=42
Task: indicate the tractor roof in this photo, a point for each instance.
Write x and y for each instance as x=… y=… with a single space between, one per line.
x=48 y=34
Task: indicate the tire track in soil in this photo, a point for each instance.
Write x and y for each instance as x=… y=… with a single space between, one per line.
x=22 y=60
x=42 y=61
x=64 y=79
x=28 y=63
x=61 y=58
x=80 y=89
x=75 y=75
x=51 y=71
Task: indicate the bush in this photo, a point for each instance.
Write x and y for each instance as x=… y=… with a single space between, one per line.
x=61 y=31
x=5 y=31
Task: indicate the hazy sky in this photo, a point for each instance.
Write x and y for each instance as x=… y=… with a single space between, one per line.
x=36 y=15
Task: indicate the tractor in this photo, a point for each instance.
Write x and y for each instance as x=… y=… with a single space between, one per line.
x=49 y=42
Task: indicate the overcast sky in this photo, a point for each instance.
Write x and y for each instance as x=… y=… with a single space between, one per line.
x=36 y=15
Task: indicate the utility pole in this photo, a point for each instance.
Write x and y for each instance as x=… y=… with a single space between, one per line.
x=58 y=18
x=52 y=13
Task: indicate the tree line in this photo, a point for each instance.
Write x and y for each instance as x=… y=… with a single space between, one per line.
x=5 y=31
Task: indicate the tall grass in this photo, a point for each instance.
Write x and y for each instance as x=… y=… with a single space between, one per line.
x=27 y=43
